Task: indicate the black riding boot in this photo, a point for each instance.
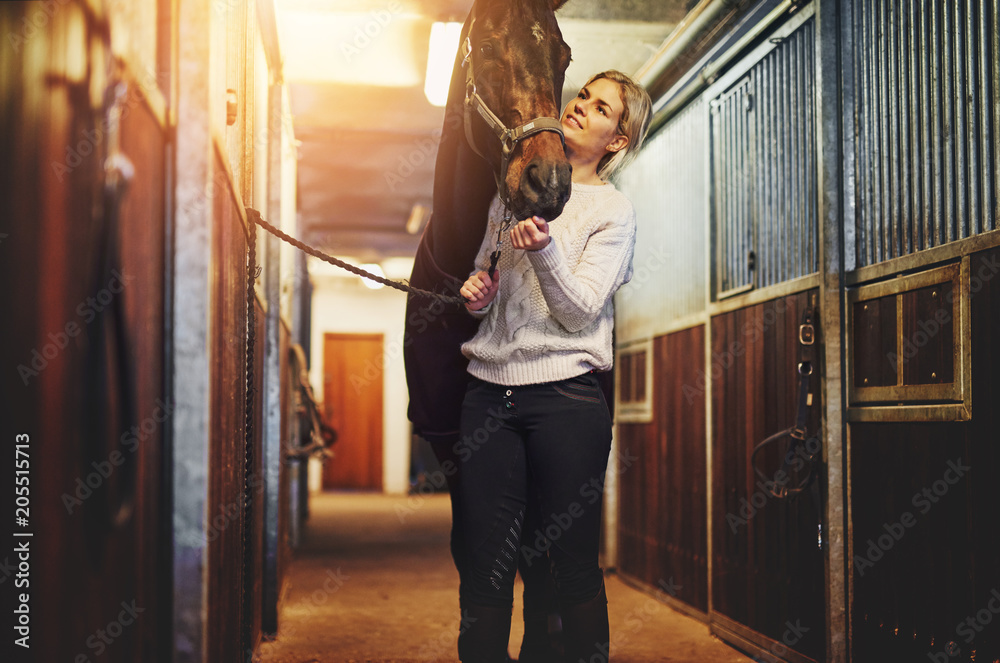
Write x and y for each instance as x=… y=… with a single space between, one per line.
x=541 y=644
x=484 y=635
x=585 y=630
x=542 y=641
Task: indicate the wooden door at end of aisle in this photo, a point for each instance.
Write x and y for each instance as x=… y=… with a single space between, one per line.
x=352 y=399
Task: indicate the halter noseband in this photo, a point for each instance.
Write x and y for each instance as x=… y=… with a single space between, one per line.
x=509 y=138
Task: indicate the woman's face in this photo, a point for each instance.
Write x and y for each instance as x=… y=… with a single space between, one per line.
x=590 y=121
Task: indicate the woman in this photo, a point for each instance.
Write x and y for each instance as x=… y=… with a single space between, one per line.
x=534 y=407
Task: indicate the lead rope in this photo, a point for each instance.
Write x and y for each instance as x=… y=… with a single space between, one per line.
x=254 y=217
x=246 y=589
x=253 y=220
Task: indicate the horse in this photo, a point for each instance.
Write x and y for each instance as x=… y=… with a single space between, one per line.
x=509 y=69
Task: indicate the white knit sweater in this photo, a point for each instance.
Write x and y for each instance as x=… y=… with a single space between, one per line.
x=553 y=315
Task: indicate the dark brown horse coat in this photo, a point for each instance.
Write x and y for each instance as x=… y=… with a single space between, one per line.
x=464 y=185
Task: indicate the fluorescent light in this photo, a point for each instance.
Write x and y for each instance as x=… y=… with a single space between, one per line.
x=415 y=223
x=440 y=61
x=372 y=268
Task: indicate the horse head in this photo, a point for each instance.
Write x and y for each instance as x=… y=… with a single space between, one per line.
x=515 y=60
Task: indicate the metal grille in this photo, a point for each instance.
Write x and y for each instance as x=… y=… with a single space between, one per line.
x=732 y=129
x=764 y=170
x=667 y=184
x=925 y=123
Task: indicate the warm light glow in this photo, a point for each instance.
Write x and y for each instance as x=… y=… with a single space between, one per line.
x=375 y=269
x=352 y=48
x=440 y=60
x=415 y=223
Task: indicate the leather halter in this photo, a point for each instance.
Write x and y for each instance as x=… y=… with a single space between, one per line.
x=509 y=138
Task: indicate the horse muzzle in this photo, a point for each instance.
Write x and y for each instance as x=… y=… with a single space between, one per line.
x=543 y=189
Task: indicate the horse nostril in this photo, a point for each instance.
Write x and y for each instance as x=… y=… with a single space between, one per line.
x=545 y=178
x=545 y=187
x=535 y=179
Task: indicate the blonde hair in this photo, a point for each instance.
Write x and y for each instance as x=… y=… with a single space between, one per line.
x=633 y=123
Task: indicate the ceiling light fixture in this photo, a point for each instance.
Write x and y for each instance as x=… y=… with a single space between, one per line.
x=440 y=61
x=415 y=223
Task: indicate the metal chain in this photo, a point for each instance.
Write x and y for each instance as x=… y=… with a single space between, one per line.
x=504 y=227
x=248 y=447
x=255 y=217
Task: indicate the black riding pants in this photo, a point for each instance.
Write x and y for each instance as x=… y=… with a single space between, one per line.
x=559 y=435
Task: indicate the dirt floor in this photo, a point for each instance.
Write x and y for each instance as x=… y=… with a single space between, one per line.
x=373 y=582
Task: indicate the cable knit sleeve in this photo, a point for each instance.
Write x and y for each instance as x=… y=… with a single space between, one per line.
x=577 y=295
x=482 y=263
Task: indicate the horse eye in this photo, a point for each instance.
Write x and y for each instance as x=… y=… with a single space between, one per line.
x=486 y=50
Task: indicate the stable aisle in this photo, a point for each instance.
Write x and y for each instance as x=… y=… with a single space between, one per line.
x=373 y=581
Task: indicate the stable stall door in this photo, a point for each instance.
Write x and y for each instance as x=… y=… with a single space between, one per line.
x=352 y=399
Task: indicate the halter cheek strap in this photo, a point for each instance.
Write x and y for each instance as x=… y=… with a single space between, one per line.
x=509 y=138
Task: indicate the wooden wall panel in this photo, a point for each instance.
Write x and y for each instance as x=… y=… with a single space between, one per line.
x=925 y=511
x=662 y=513
x=228 y=434
x=143 y=258
x=90 y=454
x=767 y=567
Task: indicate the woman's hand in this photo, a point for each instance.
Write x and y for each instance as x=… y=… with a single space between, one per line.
x=480 y=290
x=531 y=234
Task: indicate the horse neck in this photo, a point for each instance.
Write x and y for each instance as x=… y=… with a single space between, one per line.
x=463 y=189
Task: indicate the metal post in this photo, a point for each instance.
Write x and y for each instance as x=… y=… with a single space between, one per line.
x=190 y=360
x=272 y=443
x=832 y=248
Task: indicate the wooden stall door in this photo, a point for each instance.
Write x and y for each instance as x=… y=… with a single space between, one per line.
x=352 y=400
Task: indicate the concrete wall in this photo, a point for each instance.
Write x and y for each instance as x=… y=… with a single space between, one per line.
x=342 y=304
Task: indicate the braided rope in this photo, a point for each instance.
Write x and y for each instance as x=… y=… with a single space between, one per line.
x=246 y=586
x=316 y=253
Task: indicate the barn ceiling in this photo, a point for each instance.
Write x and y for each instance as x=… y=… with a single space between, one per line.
x=355 y=70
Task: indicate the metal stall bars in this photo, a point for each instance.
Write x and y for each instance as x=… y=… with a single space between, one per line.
x=764 y=165
x=660 y=325
x=925 y=125
x=768 y=558
x=922 y=104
